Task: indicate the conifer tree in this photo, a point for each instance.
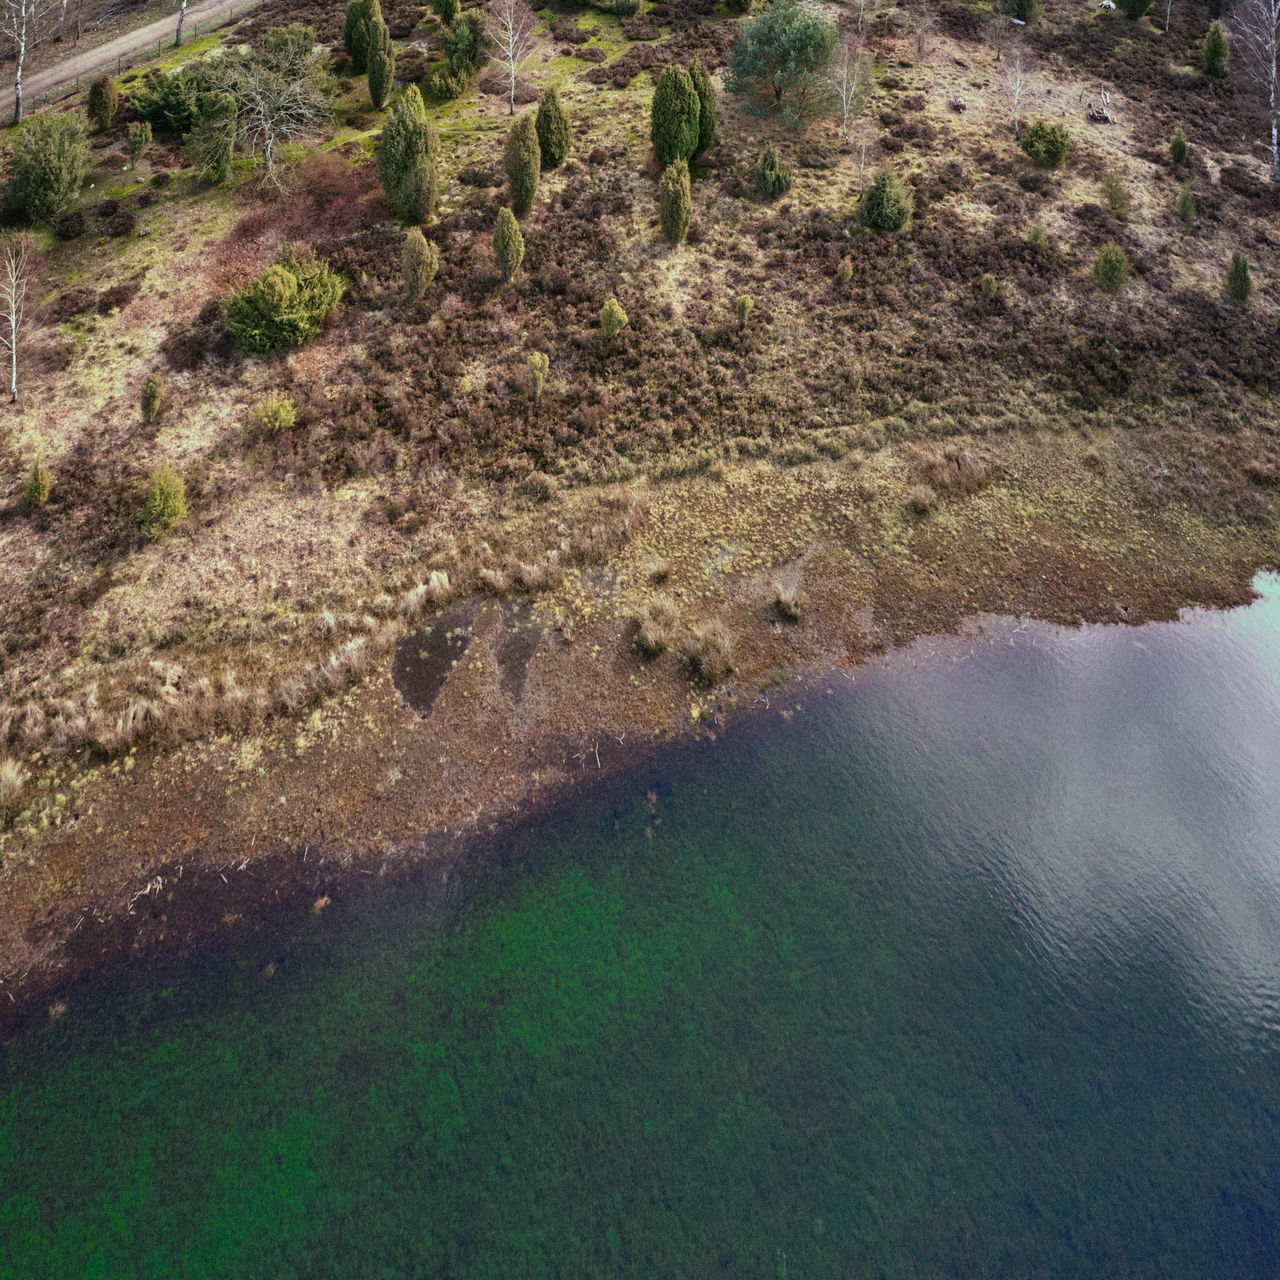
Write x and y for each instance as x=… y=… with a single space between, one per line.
x=1215 y=54
x=508 y=243
x=674 y=116
x=675 y=204
x=362 y=17
x=418 y=265
x=1239 y=282
x=104 y=101
x=408 y=159
x=706 y=92
x=382 y=65
x=523 y=161
x=553 y=130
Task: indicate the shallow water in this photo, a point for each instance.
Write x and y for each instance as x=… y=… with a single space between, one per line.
x=969 y=967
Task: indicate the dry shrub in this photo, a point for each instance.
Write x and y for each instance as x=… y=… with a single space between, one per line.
x=657 y=568
x=12 y=780
x=655 y=626
x=496 y=581
x=922 y=499
x=953 y=469
x=786 y=600
x=708 y=653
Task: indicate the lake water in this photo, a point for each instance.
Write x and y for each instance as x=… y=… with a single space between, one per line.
x=969 y=967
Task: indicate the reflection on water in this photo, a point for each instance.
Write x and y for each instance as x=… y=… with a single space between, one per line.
x=972 y=968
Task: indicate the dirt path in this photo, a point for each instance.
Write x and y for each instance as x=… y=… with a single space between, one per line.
x=124 y=50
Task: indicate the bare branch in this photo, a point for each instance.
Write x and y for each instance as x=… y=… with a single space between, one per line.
x=18 y=263
x=851 y=75
x=1255 y=27
x=1019 y=75
x=510 y=31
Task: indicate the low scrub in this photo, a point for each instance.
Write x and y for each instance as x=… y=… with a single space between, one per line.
x=285 y=306
x=655 y=626
x=708 y=653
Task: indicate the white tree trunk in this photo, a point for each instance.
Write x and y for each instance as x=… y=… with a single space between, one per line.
x=182 y=17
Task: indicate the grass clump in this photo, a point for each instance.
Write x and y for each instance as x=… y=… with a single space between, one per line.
x=35 y=493
x=166 y=502
x=786 y=601
x=655 y=626
x=1111 y=268
x=285 y=306
x=1046 y=145
x=12 y=780
x=152 y=397
x=274 y=413
x=708 y=653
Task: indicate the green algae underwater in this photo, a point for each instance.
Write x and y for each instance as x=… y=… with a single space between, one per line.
x=967 y=966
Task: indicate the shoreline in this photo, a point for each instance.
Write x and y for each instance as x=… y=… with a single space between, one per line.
x=183 y=903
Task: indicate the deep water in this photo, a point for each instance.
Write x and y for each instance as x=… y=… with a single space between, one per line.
x=968 y=966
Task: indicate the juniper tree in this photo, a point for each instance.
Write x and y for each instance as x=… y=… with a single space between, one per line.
x=675 y=203
x=508 y=243
x=381 y=60
x=362 y=17
x=1239 y=284
x=612 y=319
x=1186 y=205
x=522 y=161
x=408 y=159
x=887 y=204
x=152 y=397
x=554 y=135
x=48 y=166
x=1215 y=53
x=104 y=101
x=139 y=139
x=210 y=144
x=1178 y=148
x=419 y=263
x=706 y=91
x=674 y=116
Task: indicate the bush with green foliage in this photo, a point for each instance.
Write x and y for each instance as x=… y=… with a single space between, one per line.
x=50 y=160
x=447 y=11
x=673 y=116
x=138 y=136
x=1027 y=11
x=539 y=364
x=285 y=306
x=1111 y=268
x=887 y=204
x=675 y=201
x=743 y=306
x=152 y=397
x=707 y=114
x=778 y=63
x=166 y=502
x=612 y=319
x=1239 y=283
x=104 y=102
x=1185 y=207
x=1215 y=53
x=358 y=27
x=1134 y=9
x=274 y=413
x=211 y=143
x=1046 y=144
x=35 y=493
x=408 y=159
x=554 y=134
x=419 y=262
x=381 y=60
x=1115 y=193
x=770 y=177
x=508 y=243
x=738 y=6
x=522 y=160
x=465 y=47
x=172 y=104
x=1178 y=148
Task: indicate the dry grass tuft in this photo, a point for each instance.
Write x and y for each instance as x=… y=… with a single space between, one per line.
x=708 y=652
x=953 y=469
x=786 y=600
x=921 y=499
x=12 y=780
x=656 y=626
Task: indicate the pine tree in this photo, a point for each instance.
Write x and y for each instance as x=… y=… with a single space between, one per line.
x=675 y=204
x=104 y=101
x=418 y=265
x=408 y=159
x=553 y=130
x=674 y=116
x=1215 y=54
x=523 y=161
x=382 y=65
x=508 y=243
x=706 y=92
x=887 y=204
x=363 y=16
x=1239 y=282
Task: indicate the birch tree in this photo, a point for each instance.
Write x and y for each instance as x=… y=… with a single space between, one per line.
x=1256 y=28
x=23 y=24
x=1017 y=81
x=851 y=75
x=17 y=272
x=182 y=17
x=510 y=31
